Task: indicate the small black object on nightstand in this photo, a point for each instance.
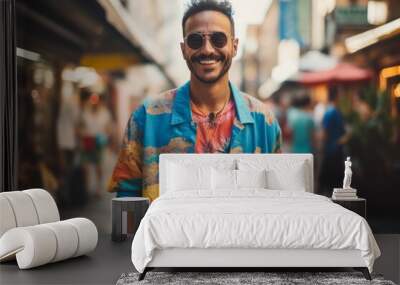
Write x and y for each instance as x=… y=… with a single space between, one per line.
x=357 y=205
x=127 y=212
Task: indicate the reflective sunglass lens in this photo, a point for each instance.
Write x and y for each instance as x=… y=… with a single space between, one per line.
x=195 y=41
x=218 y=39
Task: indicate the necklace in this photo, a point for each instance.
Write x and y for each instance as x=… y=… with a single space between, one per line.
x=212 y=116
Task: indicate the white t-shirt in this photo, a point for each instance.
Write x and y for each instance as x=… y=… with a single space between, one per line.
x=67 y=123
x=95 y=123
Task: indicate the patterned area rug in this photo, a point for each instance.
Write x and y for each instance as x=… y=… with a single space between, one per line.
x=273 y=278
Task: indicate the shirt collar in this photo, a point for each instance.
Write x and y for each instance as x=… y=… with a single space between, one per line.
x=181 y=111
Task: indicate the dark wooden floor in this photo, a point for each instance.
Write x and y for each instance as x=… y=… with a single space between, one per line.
x=103 y=266
x=106 y=264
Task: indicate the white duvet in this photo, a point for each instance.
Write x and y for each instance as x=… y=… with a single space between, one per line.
x=252 y=218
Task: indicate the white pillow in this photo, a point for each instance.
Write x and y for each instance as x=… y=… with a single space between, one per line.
x=251 y=178
x=183 y=177
x=280 y=174
x=224 y=179
x=290 y=179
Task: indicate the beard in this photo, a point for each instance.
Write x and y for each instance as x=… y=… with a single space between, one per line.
x=226 y=64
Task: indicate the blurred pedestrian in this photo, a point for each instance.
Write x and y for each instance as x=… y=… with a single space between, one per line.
x=361 y=107
x=67 y=128
x=318 y=114
x=301 y=124
x=96 y=124
x=281 y=113
x=333 y=138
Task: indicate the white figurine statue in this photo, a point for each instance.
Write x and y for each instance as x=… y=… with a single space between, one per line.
x=347 y=174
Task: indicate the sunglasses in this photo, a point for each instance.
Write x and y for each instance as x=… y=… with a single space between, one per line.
x=197 y=40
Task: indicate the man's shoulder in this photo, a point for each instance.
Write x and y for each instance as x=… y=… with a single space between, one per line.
x=331 y=112
x=254 y=104
x=160 y=103
x=257 y=106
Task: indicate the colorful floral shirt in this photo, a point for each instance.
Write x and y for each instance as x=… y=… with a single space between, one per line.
x=166 y=125
x=214 y=136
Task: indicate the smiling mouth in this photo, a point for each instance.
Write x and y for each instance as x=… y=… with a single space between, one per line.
x=208 y=62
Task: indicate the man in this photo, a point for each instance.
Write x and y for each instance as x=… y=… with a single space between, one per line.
x=206 y=115
x=333 y=139
x=301 y=124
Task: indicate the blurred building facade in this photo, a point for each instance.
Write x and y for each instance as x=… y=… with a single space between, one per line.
x=109 y=47
x=305 y=47
x=311 y=25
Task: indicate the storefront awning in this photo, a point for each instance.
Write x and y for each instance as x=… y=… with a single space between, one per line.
x=370 y=37
x=118 y=16
x=342 y=73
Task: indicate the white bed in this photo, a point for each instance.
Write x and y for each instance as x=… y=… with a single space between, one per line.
x=248 y=227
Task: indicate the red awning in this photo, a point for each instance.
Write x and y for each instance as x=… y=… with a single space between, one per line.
x=343 y=72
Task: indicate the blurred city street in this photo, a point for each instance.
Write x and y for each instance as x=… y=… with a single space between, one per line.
x=98 y=209
x=328 y=69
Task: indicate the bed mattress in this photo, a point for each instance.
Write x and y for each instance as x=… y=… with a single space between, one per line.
x=251 y=219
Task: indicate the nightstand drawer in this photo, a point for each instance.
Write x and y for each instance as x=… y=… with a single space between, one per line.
x=358 y=205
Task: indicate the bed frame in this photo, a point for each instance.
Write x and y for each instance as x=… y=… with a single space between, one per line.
x=243 y=259
x=246 y=258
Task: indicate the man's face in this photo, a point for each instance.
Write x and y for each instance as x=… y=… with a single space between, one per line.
x=209 y=63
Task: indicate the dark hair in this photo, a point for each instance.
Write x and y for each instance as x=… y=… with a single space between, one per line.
x=301 y=100
x=197 y=6
x=85 y=94
x=332 y=93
